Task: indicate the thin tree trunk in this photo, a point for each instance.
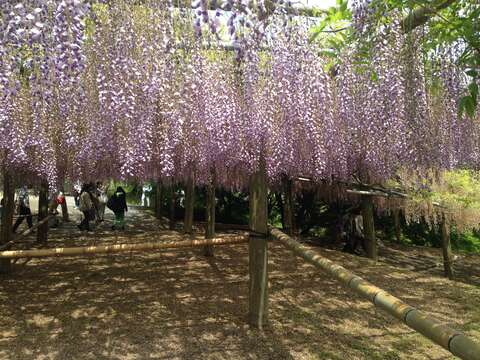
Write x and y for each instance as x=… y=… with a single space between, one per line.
x=396 y=224
x=189 y=205
x=287 y=185
x=369 y=228
x=172 y=205
x=279 y=199
x=42 y=234
x=7 y=216
x=337 y=225
x=210 y=214
x=158 y=200
x=446 y=249
x=258 y=250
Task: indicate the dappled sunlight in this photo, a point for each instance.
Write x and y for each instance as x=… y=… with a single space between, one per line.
x=182 y=305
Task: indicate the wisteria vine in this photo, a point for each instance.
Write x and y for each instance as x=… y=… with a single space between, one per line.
x=138 y=92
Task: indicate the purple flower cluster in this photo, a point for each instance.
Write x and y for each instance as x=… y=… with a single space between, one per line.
x=111 y=95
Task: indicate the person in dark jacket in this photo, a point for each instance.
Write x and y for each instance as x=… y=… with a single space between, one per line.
x=354 y=234
x=118 y=204
x=24 y=211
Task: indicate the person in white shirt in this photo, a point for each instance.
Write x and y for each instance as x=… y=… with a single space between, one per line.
x=146 y=192
x=102 y=201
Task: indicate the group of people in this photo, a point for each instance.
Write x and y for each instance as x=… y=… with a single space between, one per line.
x=22 y=206
x=92 y=201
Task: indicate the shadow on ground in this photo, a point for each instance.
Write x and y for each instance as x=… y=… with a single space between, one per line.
x=181 y=305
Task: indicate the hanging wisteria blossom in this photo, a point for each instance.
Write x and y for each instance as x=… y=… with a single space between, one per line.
x=128 y=90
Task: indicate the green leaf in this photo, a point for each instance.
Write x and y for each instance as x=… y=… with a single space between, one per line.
x=471 y=72
x=473 y=88
x=468 y=105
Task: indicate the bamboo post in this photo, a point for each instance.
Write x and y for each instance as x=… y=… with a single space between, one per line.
x=42 y=234
x=7 y=216
x=172 y=207
x=118 y=248
x=189 y=205
x=369 y=228
x=210 y=213
x=287 y=185
x=396 y=224
x=258 y=250
x=452 y=340
x=158 y=200
x=446 y=248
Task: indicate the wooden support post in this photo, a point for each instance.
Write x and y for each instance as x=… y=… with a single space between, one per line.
x=446 y=248
x=396 y=224
x=258 y=250
x=210 y=214
x=42 y=234
x=172 y=207
x=7 y=216
x=189 y=205
x=287 y=185
x=158 y=200
x=369 y=227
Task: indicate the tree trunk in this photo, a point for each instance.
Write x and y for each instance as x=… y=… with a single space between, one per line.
x=42 y=234
x=7 y=216
x=172 y=206
x=337 y=227
x=210 y=215
x=422 y=14
x=396 y=224
x=158 y=200
x=446 y=249
x=288 y=205
x=369 y=228
x=64 y=205
x=189 y=205
x=279 y=200
x=258 y=254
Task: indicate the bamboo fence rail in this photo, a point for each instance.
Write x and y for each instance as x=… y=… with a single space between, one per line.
x=117 y=248
x=452 y=340
x=26 y=232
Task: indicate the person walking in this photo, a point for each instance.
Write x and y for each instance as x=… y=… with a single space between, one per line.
x=86 y=207
x=118 y=204
x=355 y=233
x=77 y=188
x=23 y=203
x=146 y=193
x=102 y=201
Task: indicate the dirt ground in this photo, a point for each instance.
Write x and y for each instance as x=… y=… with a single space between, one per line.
x=181 y=305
